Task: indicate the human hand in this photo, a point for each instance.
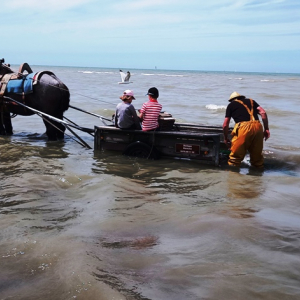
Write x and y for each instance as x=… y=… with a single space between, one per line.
x=227 y=143
x=266 y=134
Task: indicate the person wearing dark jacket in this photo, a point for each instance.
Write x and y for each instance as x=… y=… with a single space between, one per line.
x=248 y=133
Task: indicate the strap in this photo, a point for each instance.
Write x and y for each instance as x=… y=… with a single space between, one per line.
x=37 y=76
x=248 y=110
x=4 y=81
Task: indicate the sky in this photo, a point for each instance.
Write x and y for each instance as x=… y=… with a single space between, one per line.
x=214 y=35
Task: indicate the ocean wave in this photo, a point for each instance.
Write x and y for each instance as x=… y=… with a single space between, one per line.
x=287 y=164
x=215 y=107
x=166 y=75
x=95 y=72
x=286 y=148
x=267 y=80
x=105 y=72
x=237 y=78
x=86 y=72
x=293 y=78
x=289 y=114
x=271 y=95
x=170 y=75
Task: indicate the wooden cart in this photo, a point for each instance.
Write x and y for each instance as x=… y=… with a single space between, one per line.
x=187 y=141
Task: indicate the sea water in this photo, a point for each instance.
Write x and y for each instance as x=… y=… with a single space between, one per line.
x=76 y=224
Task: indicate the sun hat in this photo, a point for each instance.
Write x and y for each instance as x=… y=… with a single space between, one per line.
x=128 y=93
x=235 y=95
x=153 y=92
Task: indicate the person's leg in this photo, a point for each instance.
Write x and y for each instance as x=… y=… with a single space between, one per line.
x=238 y=150
x=256 y=147
x=240 y=143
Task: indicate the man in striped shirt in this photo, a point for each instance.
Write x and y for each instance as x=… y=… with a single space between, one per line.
x=150 y=111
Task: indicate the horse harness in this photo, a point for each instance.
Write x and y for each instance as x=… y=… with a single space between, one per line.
x=3 y=85
x=4 y=81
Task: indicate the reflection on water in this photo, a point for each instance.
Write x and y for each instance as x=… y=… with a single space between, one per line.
x=112 y=226
x=244 y=186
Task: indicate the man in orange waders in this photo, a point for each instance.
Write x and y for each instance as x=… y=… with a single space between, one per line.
x=248 y=133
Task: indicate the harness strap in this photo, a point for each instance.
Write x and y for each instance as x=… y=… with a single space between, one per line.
x=248 y=110
x=4 y=81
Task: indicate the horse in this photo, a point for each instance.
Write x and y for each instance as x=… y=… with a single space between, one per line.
x=49 y=95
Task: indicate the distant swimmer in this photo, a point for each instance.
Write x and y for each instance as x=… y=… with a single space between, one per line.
x=125 y=76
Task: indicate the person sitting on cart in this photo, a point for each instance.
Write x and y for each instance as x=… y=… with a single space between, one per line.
x=150 y=111
x=125 y=115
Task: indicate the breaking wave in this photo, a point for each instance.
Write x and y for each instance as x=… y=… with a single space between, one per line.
x=215 y=107
x=166 y=75
x=95 y=72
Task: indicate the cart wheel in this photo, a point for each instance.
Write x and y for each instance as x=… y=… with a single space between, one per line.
x=140 y=149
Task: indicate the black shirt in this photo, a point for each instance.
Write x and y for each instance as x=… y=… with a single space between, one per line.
x=239 y=113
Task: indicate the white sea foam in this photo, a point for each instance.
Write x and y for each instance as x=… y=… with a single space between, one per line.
x=104 y=72
x=95 y=72
x=86 y=72
x=167 y=75
x=215 y=107
x=174 y=75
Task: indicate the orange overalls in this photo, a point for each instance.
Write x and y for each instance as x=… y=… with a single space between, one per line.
x=247 y=136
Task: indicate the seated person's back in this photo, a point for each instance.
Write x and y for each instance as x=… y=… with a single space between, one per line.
x=150 y=110
x=125 y=115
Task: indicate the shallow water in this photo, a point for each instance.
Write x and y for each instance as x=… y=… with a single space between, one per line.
x=75 y=224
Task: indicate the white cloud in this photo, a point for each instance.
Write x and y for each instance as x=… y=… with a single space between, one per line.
x=80 y=26
x=143 y=4
x=53 y=5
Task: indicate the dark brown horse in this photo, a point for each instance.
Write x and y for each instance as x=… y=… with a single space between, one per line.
x=49 y=95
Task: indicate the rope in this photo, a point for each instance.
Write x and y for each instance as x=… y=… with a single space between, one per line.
x=153 y=140
x=20 y=74
x=67 y=90
x=93 y=114
x=97 y=99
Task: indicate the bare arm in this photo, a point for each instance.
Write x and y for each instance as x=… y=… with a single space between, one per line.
x=265 y=121
x=25 y=67
x=141 y=116
x=225 y=131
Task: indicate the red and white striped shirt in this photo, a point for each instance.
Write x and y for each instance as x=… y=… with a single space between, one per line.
x=150 y=111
